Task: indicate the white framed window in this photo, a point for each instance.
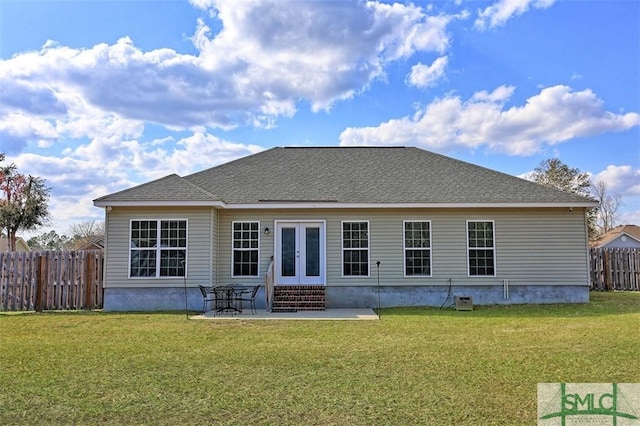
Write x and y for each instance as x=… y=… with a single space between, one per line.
x=245 y=240
x=157 y=248
x=355 y=249
x=417 y=248
x=481 y=248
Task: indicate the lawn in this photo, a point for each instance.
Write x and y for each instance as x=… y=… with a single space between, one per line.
x=415 y=366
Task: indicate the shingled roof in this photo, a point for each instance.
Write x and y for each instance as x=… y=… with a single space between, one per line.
x=354 y=175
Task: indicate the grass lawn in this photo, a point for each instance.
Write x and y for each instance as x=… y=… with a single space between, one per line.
x=416 y=366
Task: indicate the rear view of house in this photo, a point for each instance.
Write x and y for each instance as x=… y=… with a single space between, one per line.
x=415 y=227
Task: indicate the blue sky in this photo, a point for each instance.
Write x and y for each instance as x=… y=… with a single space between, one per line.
x=98 y=96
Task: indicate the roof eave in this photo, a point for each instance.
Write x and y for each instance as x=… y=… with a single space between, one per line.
x=336 y=205
x=106 y=203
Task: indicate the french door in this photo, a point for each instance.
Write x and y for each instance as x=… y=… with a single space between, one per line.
x=300 y=252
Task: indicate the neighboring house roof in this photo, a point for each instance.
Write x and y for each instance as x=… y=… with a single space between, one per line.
x=21 y=245
x=328 y=176
x=621 y=236
x=97 y=243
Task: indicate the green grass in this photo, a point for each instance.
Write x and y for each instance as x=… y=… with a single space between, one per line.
x=416 y=366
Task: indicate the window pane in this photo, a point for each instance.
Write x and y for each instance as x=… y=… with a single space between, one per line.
x=288 y=264
x=143 y=263
x=144 y=233
x=418 y=262
x=172 y=263
x=481 y=262
x=356 y=262
x=173 y=233
x=312 y=259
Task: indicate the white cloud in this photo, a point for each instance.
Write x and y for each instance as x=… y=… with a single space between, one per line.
x=267 y=57
x=624 y=180
x=427 y=75
x=554 y=115
x=500 y=12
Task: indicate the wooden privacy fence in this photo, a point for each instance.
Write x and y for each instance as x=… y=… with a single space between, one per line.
x=51 y=280
x=615 y=269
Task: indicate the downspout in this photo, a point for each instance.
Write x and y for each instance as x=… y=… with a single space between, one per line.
x=587 y=251
x=505 y=289
x=212 y=250
x=105 y=250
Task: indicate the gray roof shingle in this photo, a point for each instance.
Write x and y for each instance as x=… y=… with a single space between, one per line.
x=371 y=175
x=169 y=188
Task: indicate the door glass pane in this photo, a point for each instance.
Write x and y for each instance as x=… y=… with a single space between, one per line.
x=288 y=252
x=312 y=247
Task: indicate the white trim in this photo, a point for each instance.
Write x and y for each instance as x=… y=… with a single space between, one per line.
x=250 y=249
x=495 y=256
x=159 y=248
x=404 y=249
x=159 y=203
x=342 y=249
x=336 y=205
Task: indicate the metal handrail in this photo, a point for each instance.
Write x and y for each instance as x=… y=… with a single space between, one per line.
x=268 y=286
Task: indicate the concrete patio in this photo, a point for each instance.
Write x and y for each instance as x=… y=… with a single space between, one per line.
x=327 y=315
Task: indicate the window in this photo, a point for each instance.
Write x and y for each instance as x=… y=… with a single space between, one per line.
x=158 y=248
x=481 y=249
x=417 y=248
x=246 y=246
x=355 y=249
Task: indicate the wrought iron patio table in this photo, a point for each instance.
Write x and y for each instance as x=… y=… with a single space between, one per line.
x=226 y=298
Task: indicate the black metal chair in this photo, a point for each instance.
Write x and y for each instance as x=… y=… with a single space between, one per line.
x=251 y=299
x=207 y=295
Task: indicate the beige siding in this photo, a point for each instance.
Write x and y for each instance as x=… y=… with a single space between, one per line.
x=533 y=247
x=200 y=250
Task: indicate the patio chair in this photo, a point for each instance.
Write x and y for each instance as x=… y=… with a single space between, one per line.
x=207 y=295
x=251 y=298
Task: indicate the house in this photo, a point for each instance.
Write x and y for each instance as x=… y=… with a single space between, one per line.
x=94 y=243
x=624 y=236
x=403 y=224
x=21 y=244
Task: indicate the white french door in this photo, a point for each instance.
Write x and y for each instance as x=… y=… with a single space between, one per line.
x=300 y=252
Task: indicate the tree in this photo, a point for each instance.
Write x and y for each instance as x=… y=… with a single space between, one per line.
x=607 y=211
x=24 y=202
x=84 y=232
x=48 y=241
x=555 y=174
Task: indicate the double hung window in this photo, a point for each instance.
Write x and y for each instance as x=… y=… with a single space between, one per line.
x=246 y=248
x=158 y=248
x=417 y=248
x=481 y=248
x=355 y=249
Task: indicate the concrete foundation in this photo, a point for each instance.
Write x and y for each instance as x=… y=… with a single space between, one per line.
x=173 y=299
x=361 y=297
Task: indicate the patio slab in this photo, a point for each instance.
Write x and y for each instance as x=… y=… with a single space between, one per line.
x=329 y=314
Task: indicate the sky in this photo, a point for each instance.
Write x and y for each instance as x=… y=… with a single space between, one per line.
x=98 y=96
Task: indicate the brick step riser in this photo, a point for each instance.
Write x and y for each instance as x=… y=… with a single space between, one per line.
x=298 y=298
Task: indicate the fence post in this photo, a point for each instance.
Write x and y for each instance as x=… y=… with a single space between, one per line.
x=41 y=283
x=88 y=282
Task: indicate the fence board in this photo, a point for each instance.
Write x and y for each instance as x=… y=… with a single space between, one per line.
x=51 y=280
x=615 y=269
